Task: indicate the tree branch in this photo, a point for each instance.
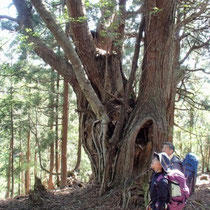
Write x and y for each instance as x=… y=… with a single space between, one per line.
x=135 y=57
x=39 y=149
x=69 y=50
x=80 y=31
x=194 y=70
x=184 y=35
x=192 y=102
x=83 y=40
x=181 y=109
x=179 y=75
x=8 y=18
x=194 y=47
x=113 y=40
x=130 y=14
x=119 y=20
x=125 y=106
x=131 y=35
x=193 y=16
x=189 y=131
x=57 y=62
x=179 y=90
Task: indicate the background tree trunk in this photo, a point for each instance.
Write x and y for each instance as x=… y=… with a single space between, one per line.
x=64 y=135
x=27 y=172
x=208 y=158
x=57 y=159
x=9 y=173
x=51 y=122
x=35 y=164
x=22 y=181
x=20 y=166
x=12 y=149
x=50 y=181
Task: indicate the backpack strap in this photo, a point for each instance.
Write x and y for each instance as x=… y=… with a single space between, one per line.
x=169 y=186
x=176 y=159
x=160 y=177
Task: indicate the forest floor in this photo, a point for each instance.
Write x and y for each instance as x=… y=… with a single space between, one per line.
x=87 y=197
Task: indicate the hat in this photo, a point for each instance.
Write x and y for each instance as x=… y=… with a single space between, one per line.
x=163 y=159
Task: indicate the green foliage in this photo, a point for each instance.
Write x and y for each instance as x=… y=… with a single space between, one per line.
x=156 y=10
x=27 y=90
x=8 y=25
x=108 y=4
x=80 y=19
x=192 y=116
x=88 y=4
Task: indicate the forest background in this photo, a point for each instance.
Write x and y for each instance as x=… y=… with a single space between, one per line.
x=32 y=105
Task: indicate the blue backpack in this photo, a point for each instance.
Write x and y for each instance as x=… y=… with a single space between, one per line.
x=190 y=168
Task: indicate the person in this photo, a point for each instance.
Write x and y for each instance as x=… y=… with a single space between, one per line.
x=159 y=187
x=175 y=162
x=190 y=168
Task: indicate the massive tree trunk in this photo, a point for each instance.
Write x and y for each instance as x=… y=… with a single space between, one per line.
x=119 y=130
x=146 y=122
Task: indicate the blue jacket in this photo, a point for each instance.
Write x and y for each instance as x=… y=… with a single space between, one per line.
x=176 y=163
x=159 y=192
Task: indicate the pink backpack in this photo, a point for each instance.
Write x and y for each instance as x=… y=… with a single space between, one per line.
x=178 y=189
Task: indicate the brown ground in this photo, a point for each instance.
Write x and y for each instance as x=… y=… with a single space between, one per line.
x=87 y=198
x=200 y=200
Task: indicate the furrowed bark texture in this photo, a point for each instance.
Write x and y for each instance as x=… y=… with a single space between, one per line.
x=148 y=125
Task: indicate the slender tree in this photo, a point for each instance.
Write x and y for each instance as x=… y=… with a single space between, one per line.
x=51 y=122
x=12 y=148
x=57 y=155
x=28 y=157
x=20 y=163
x=64 y=135
x=8 y=175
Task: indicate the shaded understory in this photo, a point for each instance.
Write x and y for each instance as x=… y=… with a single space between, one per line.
x=87 y=198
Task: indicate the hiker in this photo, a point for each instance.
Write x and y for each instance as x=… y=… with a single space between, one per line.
x=159 y=189
x=175 y=162
x=190 y=167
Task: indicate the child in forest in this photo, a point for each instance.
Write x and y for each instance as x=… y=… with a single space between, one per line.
x=159 y=189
